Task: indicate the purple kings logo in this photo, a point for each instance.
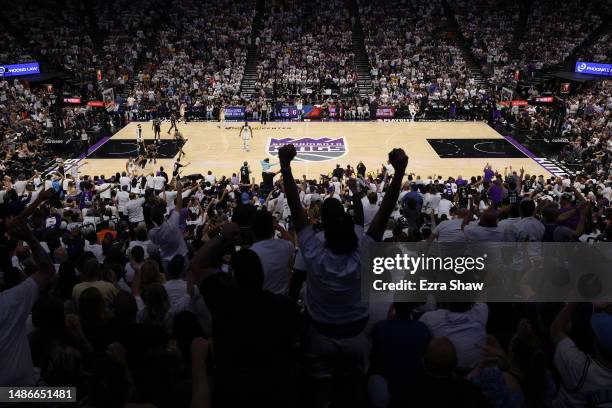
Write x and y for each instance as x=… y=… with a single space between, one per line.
x=309 y=149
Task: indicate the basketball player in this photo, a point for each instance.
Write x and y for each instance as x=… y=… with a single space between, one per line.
x=156 y=129
x=412 y=108
x=246 y=132
x=152 y=152
x=131 y=166
x=245 y=171
x=177 y=167
x=182 y=116
x=180 y=142
x=172 y=122
x=74 y=169
x=142 y=155
x=139 y=134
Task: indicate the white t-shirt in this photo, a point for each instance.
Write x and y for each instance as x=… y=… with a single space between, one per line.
x=144 y=245
x=529 y=229
x=275 y=256
x=104 y=194
x=95 y=249
x=177 y=293
x=508 y=226
x=464 y=330
x=15 y=357
x=444 y=207
x=158 y=182
x=210 y=178
x=150 y=182
x=134 y=210
x=450 y=231
x=369 y=212
x=122 y=199
x=584 y=381
x=476 y=233
x=124 y=181
x=20 y=186
x=170 y=196
x=74 y=171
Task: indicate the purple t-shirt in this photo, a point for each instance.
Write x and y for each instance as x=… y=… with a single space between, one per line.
x=488 y=174
x=86 y=197
x=496 y=194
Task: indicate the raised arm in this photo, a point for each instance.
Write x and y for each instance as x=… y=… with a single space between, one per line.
x=179 y=195
x=358 y=217
x=520 y=180
x=399 y=161
x=199 y=265
x=44 y=195
x=19 y=230
x=286 y=154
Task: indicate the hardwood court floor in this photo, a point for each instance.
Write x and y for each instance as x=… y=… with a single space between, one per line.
x=218 y=147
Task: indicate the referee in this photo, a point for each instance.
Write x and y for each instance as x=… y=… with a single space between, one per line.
x=266 y=174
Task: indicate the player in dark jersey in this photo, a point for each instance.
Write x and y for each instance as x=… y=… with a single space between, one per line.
x=177 y=167
x=463 y=195
x=152 y=152
x=172 y=122
x=245 y=171
x=180 y=142
x=156 y=129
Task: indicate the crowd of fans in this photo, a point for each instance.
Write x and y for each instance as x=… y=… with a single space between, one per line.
x=599 y=51
x=588 y=125
x=554 y=30
x=152 y=288
x=415 y=65
x=201 y=56
x=57 y=32
x=306 y=51
x=11 y=51
x=488 y=27
x=142 y=287
x=155 y=57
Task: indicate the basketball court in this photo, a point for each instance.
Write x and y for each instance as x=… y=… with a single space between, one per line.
x=434 y=148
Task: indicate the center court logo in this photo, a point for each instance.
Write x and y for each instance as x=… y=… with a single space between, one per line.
x=309 y=149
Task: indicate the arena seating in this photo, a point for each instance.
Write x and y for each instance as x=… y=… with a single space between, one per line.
x=147 y=287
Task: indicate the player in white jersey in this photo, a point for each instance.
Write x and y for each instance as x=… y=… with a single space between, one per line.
x=412 y=108
x=246 y=132
x=138 y=134
x=74 y=169
x=182 y=116
x=131 y=166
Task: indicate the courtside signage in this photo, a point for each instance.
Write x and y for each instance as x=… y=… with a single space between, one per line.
x=593 y=68
x=27 y=68
x=311 y=149
x=234 y=112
